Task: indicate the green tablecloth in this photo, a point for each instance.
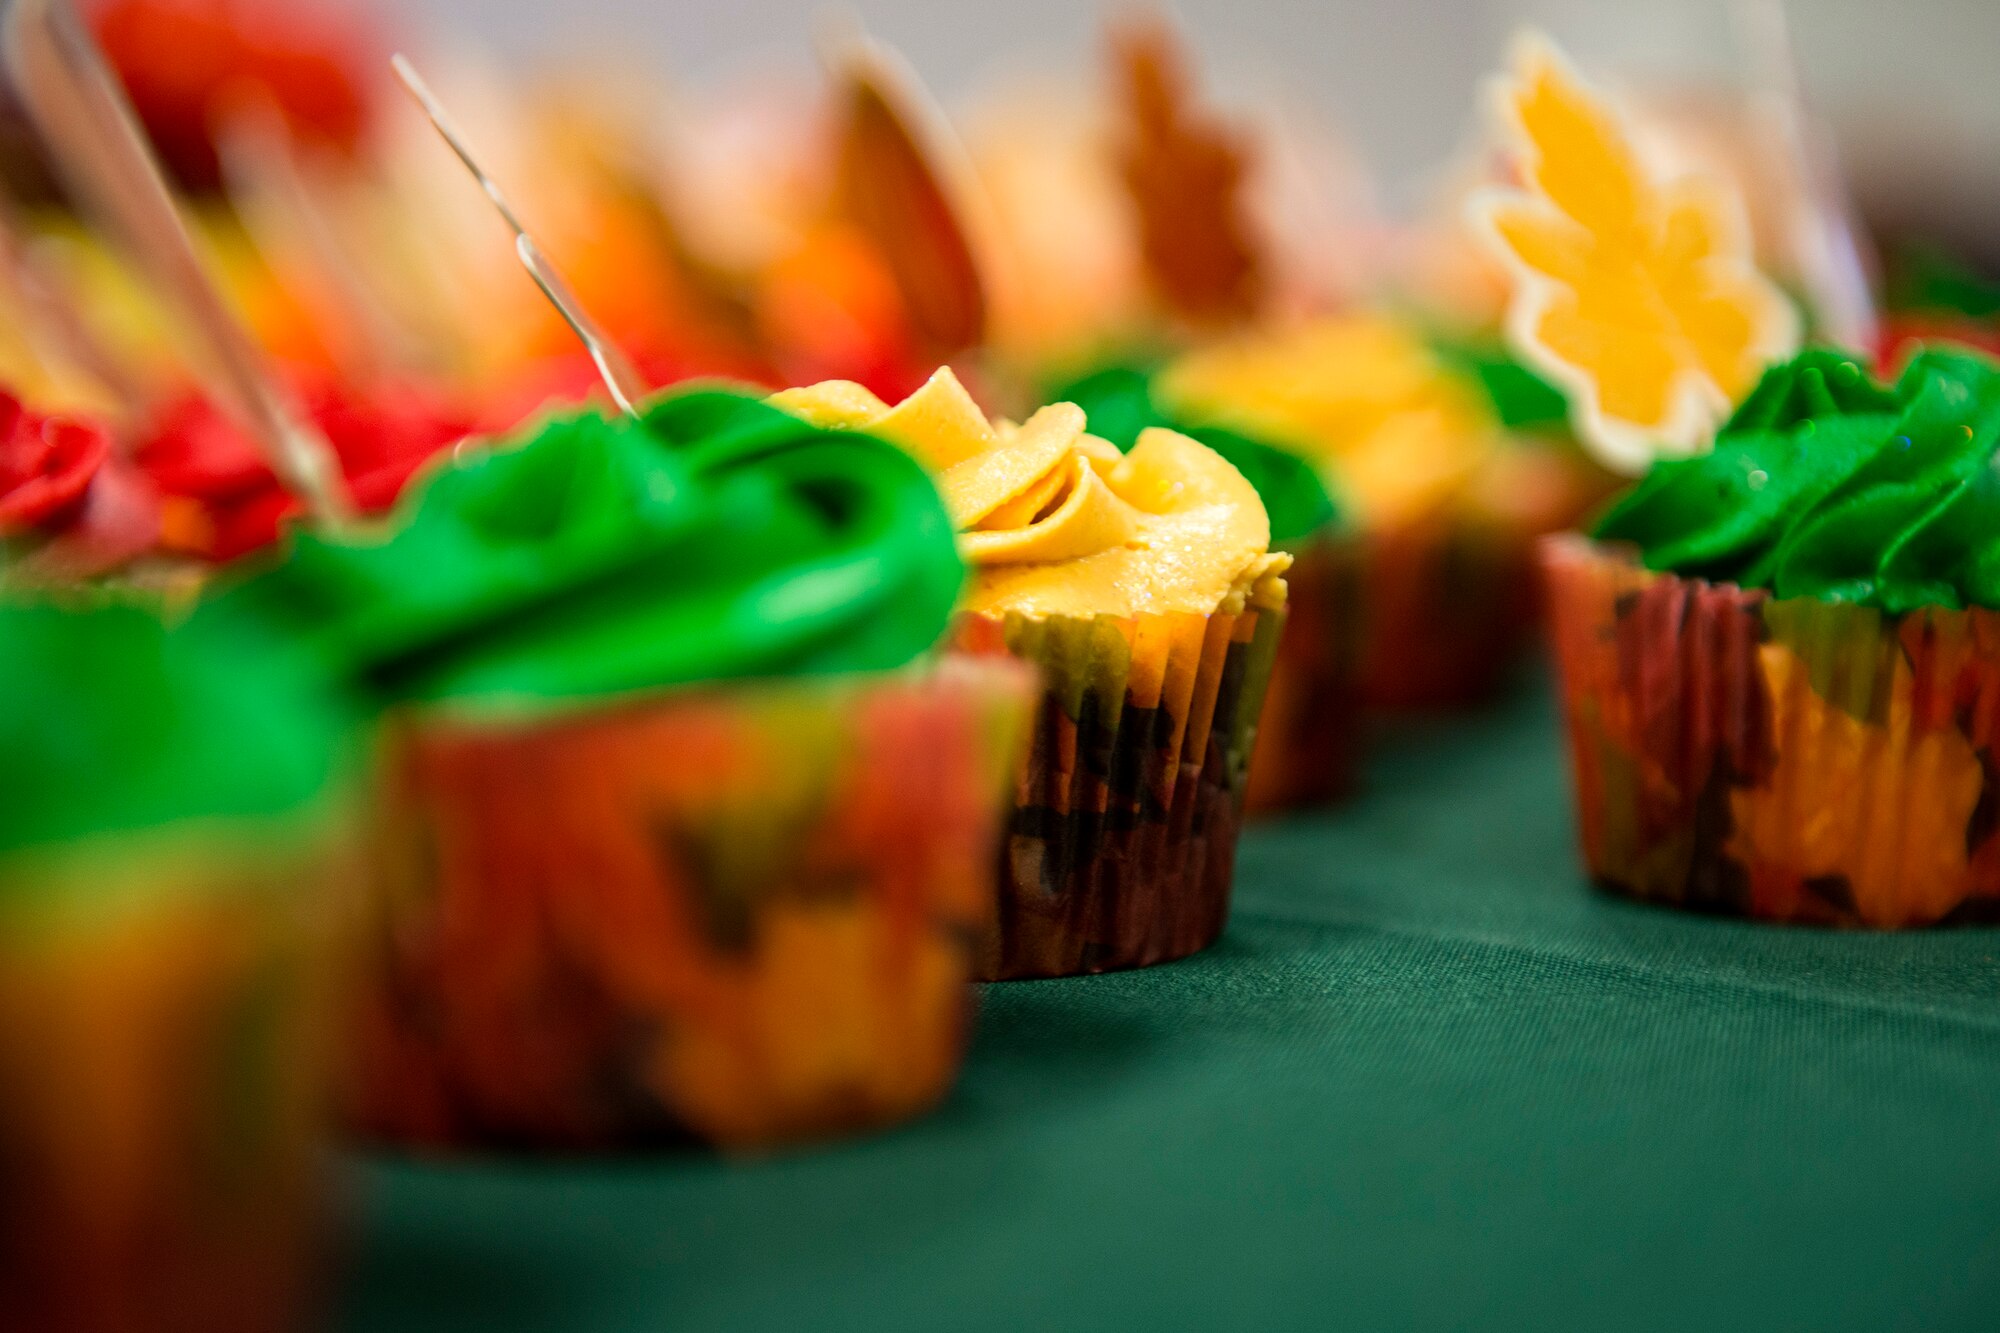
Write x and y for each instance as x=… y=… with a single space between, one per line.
x=1428 y=1081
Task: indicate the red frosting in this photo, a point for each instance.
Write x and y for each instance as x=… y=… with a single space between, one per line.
x=71 y=507
x=224 y=501
x=185 y=61
x=46 y=466
x=1902 y=334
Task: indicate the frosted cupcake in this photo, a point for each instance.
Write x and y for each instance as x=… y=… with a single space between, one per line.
x=170 y=829
x=1777 y=657
x=1781 y=659
x=673 y=845
x=1143 y=587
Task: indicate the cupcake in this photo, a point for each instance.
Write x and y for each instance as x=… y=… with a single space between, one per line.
x=1774 y=649
x=1781 y=659
x=1308 y=750
x=1142 y=586
x=170 y=820
x=678 y=836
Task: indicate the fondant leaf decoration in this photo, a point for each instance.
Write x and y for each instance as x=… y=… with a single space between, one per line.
x=1637 y=295
x=891 y=187
x=1185 y=171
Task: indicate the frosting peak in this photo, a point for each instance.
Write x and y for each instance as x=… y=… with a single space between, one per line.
x=1827 y=484
x=1056 y=521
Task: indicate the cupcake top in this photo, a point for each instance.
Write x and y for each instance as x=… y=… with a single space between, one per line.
x=716 y=539
x=1055 y=521
x=1396 y=430
x=1826 y=483
x=112 y=723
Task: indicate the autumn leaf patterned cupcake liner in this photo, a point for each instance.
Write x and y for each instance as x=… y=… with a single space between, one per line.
x=741 y=915
x=1120 y=849
x=1449 y=609
x=1310 y=738
x=167 y=1057
x=1793 y=760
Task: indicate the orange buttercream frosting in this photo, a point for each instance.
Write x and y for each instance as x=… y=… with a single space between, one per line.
x=1056 y=522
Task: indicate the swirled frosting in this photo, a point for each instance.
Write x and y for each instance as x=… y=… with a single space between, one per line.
x=717 y=539
x=1827 y=484
x=1120 y=404
x=1056 y=521
x=110 y=723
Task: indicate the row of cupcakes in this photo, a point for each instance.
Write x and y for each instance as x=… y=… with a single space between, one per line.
x=638 y=781
x=640 y=805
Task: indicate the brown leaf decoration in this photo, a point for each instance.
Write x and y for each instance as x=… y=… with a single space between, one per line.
x=1185 y=170
x=891 y=187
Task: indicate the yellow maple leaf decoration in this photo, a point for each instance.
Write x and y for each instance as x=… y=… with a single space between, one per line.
x=1636 y=294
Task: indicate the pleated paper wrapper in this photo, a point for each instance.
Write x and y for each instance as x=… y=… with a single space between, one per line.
x=1448 y=609
x=166 y=1065
x=741 y=915
x=1121 y=846
x=1309 y=742
x=1788 y=759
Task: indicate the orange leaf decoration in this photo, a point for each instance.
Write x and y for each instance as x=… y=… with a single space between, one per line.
x=892 y=188
x=1637 y=295
x=1185 y=172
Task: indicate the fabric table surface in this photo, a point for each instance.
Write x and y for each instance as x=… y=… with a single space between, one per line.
x=1429 y=1080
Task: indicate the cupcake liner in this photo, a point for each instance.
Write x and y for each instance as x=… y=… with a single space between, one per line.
x=741 y=915
x=1121 y=846
x=1793 y=760
x=165 y=1055
x=1309 y=739
x=1450 y=607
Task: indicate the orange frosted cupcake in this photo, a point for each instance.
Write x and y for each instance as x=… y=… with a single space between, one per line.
x=1143 y=587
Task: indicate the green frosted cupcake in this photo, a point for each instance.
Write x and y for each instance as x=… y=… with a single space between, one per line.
x=1781 y=658
x=170 y=819
x=680 y=835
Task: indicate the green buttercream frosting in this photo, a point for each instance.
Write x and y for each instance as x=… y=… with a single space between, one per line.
x=719 y=538
x=110 y=723
x=1827 y=484
x=1118 y=403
